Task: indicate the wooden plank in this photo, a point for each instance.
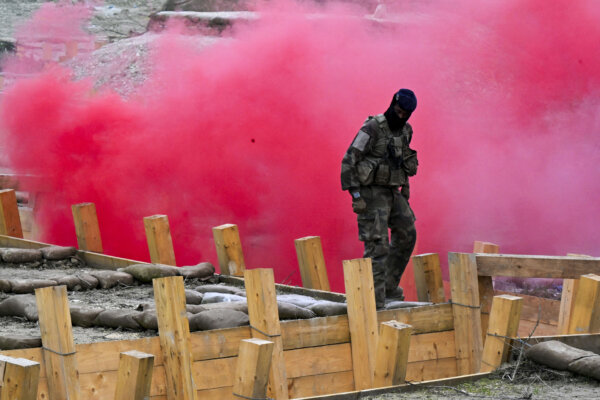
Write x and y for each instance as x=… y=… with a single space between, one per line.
x=218 y=343
x=18 y=378
x=467 y=318
x=362 y=319
x=530 y=328
x=434 y=318
x=86 y=227
x=135 y=376
x=57 y=339
x=504 y=324
x=392 y=354
x=322 y=331
x=431 y=346
x=536 y=308
x=431 y=369
x=174 y=334
x=586 y=313
x=536 y=266
x=567 y=304
x=312 y=263
x=318 y=360
x=252 y=373
x=264 y=318
x=160 y=244
x=486 y=285
x=10 y=220
x=428 y=278
x=485 y=247
x=229 y=249
x=323 y=384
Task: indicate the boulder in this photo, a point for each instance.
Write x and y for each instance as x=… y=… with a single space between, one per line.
x=146 y=272
x=18 y=256
x=326 y=308
x=58 y=252
x=217 y=319
x=108 y=279
x=201 y=271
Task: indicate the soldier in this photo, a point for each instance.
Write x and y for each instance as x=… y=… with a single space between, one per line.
x=375 y=167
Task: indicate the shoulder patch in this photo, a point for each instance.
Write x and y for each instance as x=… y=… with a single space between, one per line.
x=361 y=140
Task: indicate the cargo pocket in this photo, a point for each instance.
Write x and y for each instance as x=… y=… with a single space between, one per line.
x=365 y=171
x=410 y=162
x=370 y=226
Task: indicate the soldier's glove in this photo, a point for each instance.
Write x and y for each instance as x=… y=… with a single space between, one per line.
x=405 y=191
x=359 y=205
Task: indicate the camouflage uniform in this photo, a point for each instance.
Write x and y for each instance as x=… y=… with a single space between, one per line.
x=378 y=162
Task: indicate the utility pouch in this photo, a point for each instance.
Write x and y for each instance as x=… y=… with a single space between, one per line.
x=410 y=162
x=382 y=176
x=365 y=172
x=398 y=177
x=397 y=146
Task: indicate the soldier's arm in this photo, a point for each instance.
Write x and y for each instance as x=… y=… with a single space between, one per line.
x=358 y=149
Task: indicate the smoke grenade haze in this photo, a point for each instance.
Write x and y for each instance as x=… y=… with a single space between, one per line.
x=252 y=131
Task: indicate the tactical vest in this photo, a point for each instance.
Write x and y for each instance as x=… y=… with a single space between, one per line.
x=390 y=160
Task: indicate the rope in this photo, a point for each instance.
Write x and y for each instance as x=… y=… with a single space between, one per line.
x=56 y=352
x=251 y=398
x=264 y=333
x=465 y=305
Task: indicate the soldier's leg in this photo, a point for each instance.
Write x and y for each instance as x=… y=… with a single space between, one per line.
x=377 y=251
x=403 y=239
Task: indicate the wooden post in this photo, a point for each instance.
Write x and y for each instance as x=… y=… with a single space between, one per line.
x=428 y=278
x=485 y=247
x=10 y=221
x=57 y=341
x=86 y=227
x=135 y=375
x=312 y=263
x=504 y=322
x=229 y=250
x=252 y=372
x=486 y=286
x=174 y=334
x=264 y=317
x=586 y=313
x=567 y=301
x=18 y=378
x=465 y=308
x=362 y=319
x=159 y=239
x=392 y=354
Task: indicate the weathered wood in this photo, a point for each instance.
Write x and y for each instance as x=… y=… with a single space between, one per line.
x=57 y=339
x=567 y=304
x=362 y=319
x=253 y=364
x=392 y=354
x=586 y=341
x=536 y=266
x=135 y=376
x=486 y=285
x=174 y=334
x=504 y=324
x=428 y=278
x=485 y=247
x=229 y=249
x=312 y=263
x=160 y=244
x=264 y=318
x=10 y=220
x=465 y=307
x=586 y=313
x=536 y=308
x=86 y=227
x=18 y=378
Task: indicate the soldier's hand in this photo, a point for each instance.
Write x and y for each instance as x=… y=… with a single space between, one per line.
x=359 y=205
x=405 y=191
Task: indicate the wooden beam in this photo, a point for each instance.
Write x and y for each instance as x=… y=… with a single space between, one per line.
x=160 y=244
x=567 y=305
x=18 y=378
x=252 y=372
x=174 y=334
x=10 y=221
x=536 y=266
x=392 y=354
x=465 y=307
x=229 y=249
x=486 y=286
x=86 y=227
x=485 y=247
x=362 y=319
x=135 y=375
x=428 y=278
x=57 y=340
x=312 y=263
x=586 y=314
x=264 y=318
x=504 y=324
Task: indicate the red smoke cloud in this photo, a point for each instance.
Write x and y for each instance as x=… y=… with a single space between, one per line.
x=252 y=131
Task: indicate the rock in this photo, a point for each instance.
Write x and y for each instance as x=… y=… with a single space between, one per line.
x=217 y=319
x=84 y=316
x=14 y=342
x=201 y=271
x=29 y=285
x=147 y=319
x=292 y=311
x=21 y=305
x=146 y=272
x=58 y=252
x=108 y=279
x=297 y=299
x=326 y=308
x=20 y=255
x=118 y=319
x=555 y=354
x=212 y=297
x=217 y=289
x=193 y=297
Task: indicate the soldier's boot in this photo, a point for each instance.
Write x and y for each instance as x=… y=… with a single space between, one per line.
x=396 y=294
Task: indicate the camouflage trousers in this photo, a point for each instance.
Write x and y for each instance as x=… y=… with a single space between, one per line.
x=389 y=254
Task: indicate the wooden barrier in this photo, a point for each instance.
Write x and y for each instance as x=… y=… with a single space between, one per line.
x=135 y=375
x=428 y=278
x=392 y=354
x=486 y=285
x=10 y=221
x=362 y=319
x=522 y=266
x=503 y=324
x=586 y=313
x=86 y=227
x=174 y=334
x=466 y=310
x=264 y=318
x=252 y=372
x=160 y=244
x=567 y=300
x=18 y=378
x=229 y=249
x=312 y=263
x=57 y=341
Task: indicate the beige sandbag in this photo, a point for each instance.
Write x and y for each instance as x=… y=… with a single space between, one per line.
x=17 y=256
x=58 y=252
x=84 y=316
x=15 y=342
x=118 y=319
x=217 y=319
x=21 y=286
x=146 y=272
x=201 y=271
x=108 y=279
x=292 y=311
x=326 y=308
x=555 y=354
x=193 y=297
x=20 y=305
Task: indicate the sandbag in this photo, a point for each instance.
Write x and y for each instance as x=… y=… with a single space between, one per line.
x=21 y=286
x=194 y=308
x=234 y=305
x=70 y=281
x=58 y=252
x=14 y=342
x=146 y=272
x=18 y=256
x=217 y=319
x=297 y=299
x=326 y=308
x=84 y=316
x=20 y=305
x=555 y=354
x=201 y=271
x=393 y=305
x=108 y=279
x=193 y=297
x=292 y=311
x=213 y=297
x=118 y=319
x=5 y=286
x=78 y=282
x=217 y=289
x=587 y=366
x=87 y=281
x=147 y=319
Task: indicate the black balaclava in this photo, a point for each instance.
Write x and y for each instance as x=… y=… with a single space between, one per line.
x=407 y=100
